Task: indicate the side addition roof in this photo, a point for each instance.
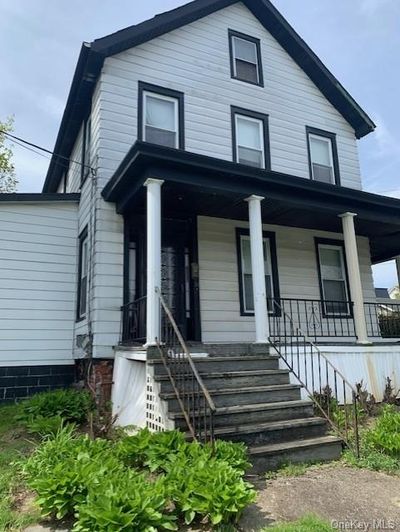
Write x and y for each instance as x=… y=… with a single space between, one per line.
x=92 y=56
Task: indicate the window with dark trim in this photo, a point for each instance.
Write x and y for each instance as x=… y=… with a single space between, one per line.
x=83 y=269
x=250 y=138
x=323 y=156
x=161 y=116
x=245 y=271
x=333 y=277
x=245 y=57
x=86 y=149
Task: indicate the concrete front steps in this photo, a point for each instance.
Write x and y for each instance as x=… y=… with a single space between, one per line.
x=256 y=404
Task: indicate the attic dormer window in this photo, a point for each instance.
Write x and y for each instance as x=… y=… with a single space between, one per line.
x=245 y=55
x=160 y=116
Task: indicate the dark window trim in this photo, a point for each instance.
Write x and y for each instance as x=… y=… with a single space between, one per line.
x=265 y=121
x=233 y=33
x=87 y=123
x=274 y=265
x=332 y=137
x=339 y=243
x=82 y=237
x=163 y=91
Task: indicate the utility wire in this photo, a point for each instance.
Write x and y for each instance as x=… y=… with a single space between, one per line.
x=32 y=145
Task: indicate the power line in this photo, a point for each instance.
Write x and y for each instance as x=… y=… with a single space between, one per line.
x=32 y=145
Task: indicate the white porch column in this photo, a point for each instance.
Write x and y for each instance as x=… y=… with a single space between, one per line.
x=258 y=271
x=398 y=270
x=153 y=259
x=350 y=244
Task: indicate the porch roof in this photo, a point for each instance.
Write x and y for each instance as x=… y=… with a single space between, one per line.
x=200 y=185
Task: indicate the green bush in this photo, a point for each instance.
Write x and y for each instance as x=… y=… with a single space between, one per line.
x=128 y=502
x=95 y=480
x=62 y=469
x=209 y=488
x=385 y=435
x=46 y=426
x=71 y=405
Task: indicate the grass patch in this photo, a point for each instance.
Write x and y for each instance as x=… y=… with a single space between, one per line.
x=16 y=512
x=308 y=523
x=292 y=470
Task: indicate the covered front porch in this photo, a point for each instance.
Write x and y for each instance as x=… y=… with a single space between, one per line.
x=241 y=253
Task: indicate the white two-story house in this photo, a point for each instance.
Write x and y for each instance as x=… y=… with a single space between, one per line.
x=212 y=160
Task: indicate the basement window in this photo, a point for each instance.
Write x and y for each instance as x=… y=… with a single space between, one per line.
x=245 y=56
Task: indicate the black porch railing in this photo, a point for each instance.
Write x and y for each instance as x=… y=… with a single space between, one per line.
x=192 y=395
x=134 y=321
x=383 y=319
x=333 y=396
x=317 y=318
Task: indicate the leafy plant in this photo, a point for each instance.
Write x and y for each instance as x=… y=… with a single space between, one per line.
x=385 y=435
x=390 y=396
x=206 y=487
x=128 y=502
x=45 y=426
x=62 y=470
x=72 y=405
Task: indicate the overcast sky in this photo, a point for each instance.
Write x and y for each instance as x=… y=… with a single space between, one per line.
x=358 y=40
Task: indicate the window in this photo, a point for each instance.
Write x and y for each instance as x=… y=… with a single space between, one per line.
x=83 y=274
x=245 y=271
x=250 y=138
x=323 y=158
x=333 y=277
x=86 y=147
x=245 y=54
x=160 y=116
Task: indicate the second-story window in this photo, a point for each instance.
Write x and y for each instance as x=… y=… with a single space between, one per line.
x=160 y=116
x=250 y=138
x=323 y=158
x=245 y=55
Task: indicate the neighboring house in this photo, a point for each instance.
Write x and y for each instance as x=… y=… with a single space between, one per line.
x=209 y=137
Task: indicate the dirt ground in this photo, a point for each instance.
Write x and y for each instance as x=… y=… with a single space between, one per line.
x=350 y=499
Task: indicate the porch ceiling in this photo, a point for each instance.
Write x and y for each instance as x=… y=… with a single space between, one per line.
x=200 y=185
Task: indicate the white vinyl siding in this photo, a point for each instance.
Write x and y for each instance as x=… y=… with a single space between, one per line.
x=195 y=60
x=297 y=266
x=38 y=263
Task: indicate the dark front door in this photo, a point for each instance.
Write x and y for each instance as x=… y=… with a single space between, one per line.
x=173 y=271
x=179 y=272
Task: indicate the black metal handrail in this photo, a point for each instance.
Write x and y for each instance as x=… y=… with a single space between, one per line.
x=318 y=318
x=133 y=323
x=383 y=319
x=191 y=393
x=334 y=397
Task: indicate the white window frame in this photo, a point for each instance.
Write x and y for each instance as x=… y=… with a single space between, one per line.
x=159 y=96
x=344 y=278
x=234 y=58
x=267 y=266
x=261 y=128
x=329 y=142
